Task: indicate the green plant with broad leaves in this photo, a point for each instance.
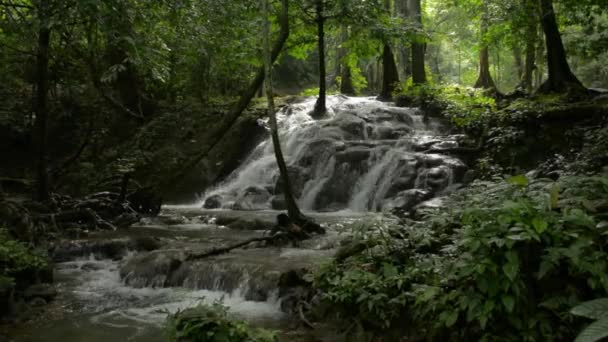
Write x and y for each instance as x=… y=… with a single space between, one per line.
x=17 y=260
x=595 y=309
x=504 y=262
x=211 y=323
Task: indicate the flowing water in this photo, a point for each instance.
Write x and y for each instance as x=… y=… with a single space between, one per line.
x=365 y=156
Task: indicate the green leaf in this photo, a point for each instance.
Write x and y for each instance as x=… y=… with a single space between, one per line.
x=389 y=270
x=594 y=332
x=520 y=180
x=594 y=309
x=451 y=319
x=540 y=225
x=509 y=302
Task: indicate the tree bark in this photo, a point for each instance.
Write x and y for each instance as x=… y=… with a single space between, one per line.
x=346 y=81
x=320 y=106
x=484 y=80
x=390 y=75
x=42 y=87
x=561 y=78
x=292 y=207
x=405 y=53
x=232 y=116
x=530 y=55
x=418 y=49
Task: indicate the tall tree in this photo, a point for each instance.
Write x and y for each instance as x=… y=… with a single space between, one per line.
x=561 y=78
x=321 y=106
x=292 y=207
x=41 y=103
x=484 y=80
x=390 y=74
x=346 y=79
x=418 y=49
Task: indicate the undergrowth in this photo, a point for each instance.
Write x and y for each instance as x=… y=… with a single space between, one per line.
x=506 y=262
x=17 y=260
x=211 y=323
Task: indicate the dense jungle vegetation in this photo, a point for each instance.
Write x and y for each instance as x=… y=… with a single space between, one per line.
x=110 y=109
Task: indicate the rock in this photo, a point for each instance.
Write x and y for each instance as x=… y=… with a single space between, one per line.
x=151 y=269
x=213 y=202
x=38 y=301
x=297 y=178
x=278 y=203
x=353 y=155
x=44 y=291
x=91 y=266
x=145 y=243
x=407 y=200
x=351 y=124
x=254 y=198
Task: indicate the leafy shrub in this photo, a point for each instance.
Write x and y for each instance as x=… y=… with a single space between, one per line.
x=210 y=323
x=16 y=259
x=595 y=309
x=506 y=262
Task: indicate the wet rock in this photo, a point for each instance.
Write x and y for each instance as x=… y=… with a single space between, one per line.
x=145 y=243
x=151 y=269
x=44 y=291
x=407 y=200
x=213 y=202
x=297 y=179
x=91 y=266
x=353 y=155
x=254 y=198
x=351 y=124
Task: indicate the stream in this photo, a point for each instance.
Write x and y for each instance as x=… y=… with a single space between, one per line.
x=366 y=156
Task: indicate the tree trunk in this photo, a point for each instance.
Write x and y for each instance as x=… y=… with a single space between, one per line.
x=292 y=207
x=320 y=106
x=418 y=49
x=42 y=87
x=390 y=75
x=530 y=54
x=235 y=112
x=519 y=63
x=561 y=79
x=346 y=81
x=484 y=80
x=405 y=53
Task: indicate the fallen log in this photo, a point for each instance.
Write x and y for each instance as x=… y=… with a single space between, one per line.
x=226 y=249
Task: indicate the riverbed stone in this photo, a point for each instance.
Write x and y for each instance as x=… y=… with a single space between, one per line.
x=213 y=202
x=253 y=198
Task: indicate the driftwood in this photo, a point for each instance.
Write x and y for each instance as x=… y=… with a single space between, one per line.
x=226 y=249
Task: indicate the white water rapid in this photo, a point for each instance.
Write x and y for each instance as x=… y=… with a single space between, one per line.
x=366 y=155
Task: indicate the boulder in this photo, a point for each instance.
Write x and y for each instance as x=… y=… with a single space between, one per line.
x=253 y=198
x=213 y=202
x=407 y=200
x=351 y=124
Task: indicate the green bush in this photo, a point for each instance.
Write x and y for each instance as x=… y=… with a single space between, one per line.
x=506 y=262
x=16 y=259
x=211 y=323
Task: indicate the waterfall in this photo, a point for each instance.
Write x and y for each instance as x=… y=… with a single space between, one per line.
x=366 y=155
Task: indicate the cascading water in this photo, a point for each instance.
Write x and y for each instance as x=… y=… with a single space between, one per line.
x=365 y=156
